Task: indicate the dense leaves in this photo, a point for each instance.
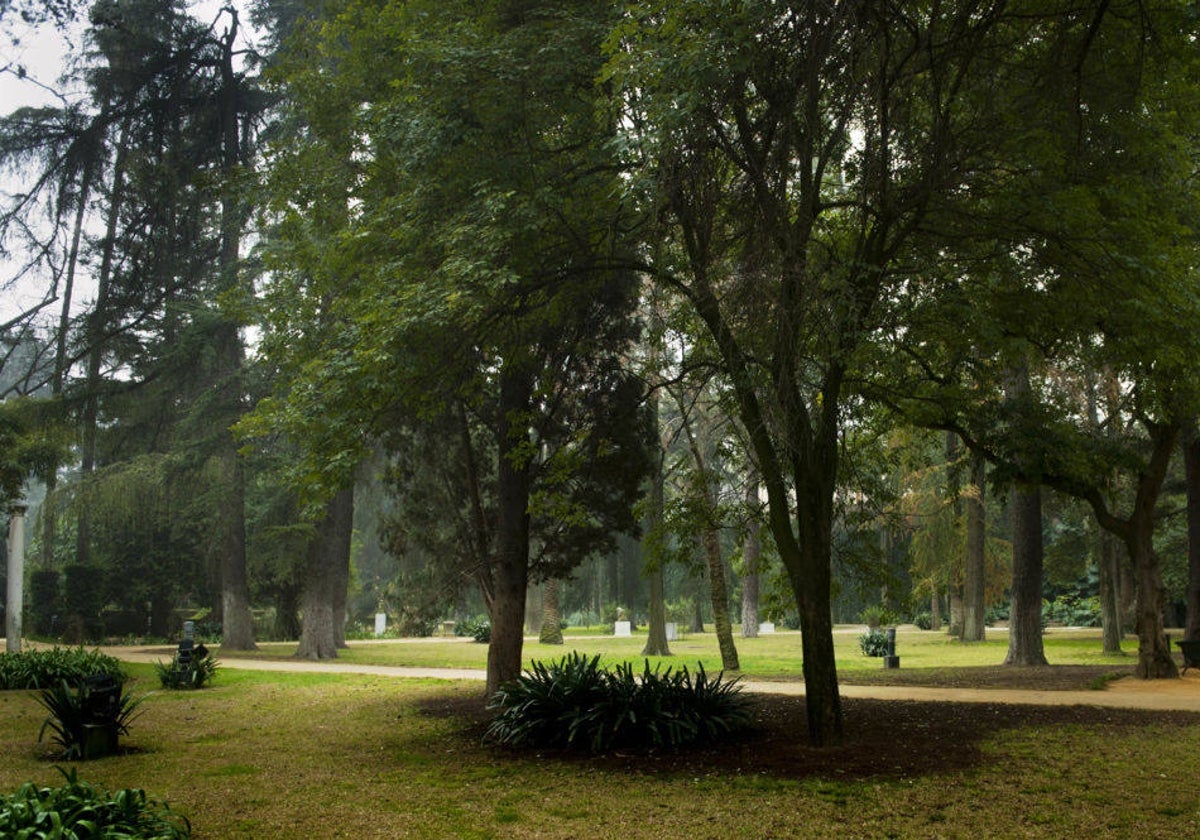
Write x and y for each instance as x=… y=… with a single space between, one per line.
x=44 y=668
x=76 y=810
x=574 y=703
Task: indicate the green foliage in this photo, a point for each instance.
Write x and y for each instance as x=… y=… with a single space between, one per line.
x=873 y=643
x=574 y=703
x=78 y=810
x=94 y=703
x=923 y=620
x=42 y=668
x=877 y=615
x=479 y=629
x=1072 y=611
x=193 y=673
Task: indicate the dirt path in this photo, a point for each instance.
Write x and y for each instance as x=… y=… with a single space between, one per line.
x=1129 y=693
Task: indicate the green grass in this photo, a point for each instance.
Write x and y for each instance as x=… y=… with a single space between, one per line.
x=301 y=755
x=775 y=656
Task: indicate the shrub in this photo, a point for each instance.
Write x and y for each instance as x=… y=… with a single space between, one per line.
x=192 y=673
x=98 y=702
x=873 y=643
x=76 y=809
x=479 y=629
x=574 y=703
x=42 y=668
x=923 y=620
x=791 y=621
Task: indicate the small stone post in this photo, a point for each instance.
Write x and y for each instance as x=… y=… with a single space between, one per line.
x=16 y=578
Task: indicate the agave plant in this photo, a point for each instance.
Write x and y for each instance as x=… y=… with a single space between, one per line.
x=87 y=720
x=188 y=672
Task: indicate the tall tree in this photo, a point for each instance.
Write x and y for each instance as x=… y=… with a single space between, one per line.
x=794 y=152
x=477 y=267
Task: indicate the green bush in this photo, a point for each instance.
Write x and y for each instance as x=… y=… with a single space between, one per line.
x=193 y=673
x=574 y=703
x=923 y=620
x=97 y=702
x=78 y=810
x=42 y=668
x=873 y=643
x=479 y=629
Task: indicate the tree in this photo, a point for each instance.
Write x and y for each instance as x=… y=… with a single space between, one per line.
x=794 y=151
x=476 y=271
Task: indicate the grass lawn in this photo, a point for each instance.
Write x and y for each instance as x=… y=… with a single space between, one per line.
x=925 y=656
x=286 y=755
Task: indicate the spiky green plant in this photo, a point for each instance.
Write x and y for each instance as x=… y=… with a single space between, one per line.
x=74 y=708
x=193 y=673
x=574 y=703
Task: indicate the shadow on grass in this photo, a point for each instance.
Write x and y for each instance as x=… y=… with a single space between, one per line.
x=884 y=738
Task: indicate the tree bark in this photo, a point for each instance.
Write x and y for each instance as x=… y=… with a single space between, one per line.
x=551 y=619
x=328 y=553
x=1109 y=561
x=935 y=611
x=752 y=554
x=1191 y=462
x=512 y=540
x=1025 y=621
x=720 y=599
x=973 y=627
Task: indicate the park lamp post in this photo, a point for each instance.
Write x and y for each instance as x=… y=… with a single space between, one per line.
x=16 y=577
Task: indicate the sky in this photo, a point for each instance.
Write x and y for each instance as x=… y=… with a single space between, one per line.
x=32 y=61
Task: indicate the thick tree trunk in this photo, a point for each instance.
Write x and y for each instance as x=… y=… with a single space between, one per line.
x=237 y=625
x=551 y=620
x=1191 y=461
x=327 y=554
x=512 y=542
x=973 y=628
x=935 y=611
x=752 y=554
x=1154 y=654
x=1025 y=621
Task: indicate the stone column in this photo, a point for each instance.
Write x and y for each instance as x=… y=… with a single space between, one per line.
x=16 y=578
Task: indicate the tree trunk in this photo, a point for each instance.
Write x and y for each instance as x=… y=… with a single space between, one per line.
x=1191 y=461
x=328 y=552
x=1109 y=562
x=656 y=637
x=1025 y=621
x=512 y=540
x=720 y=599
x=551 y=620
x=1154 y=654
x=956 y=611
x=752 y=554
x=237 y=624
x=973 y=628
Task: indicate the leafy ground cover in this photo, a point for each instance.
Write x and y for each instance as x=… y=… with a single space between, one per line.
x=302 y=755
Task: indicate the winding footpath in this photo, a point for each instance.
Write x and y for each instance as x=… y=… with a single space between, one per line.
x=1182 y=694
